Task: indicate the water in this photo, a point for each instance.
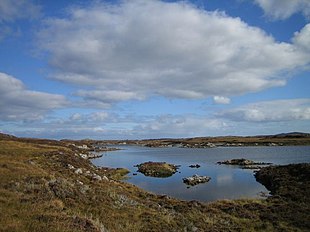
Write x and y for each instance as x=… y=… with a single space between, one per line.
x=227 y=182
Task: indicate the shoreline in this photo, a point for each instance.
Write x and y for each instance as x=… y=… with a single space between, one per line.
x=39 y=185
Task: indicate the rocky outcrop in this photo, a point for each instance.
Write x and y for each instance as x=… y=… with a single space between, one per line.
x=194 y=166
x=289 y=181
x=241 y=162
x=196 y=179
x=157 y=169
x=90 y=155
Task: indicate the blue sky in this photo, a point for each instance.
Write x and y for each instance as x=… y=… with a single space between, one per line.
x=151 y=69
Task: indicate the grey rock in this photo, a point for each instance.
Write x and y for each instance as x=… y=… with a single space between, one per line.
x=78 y=171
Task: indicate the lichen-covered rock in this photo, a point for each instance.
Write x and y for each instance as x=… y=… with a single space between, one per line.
x=195 y=179
x=157 y=169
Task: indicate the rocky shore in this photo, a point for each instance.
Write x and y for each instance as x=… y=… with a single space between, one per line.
x=45 y=185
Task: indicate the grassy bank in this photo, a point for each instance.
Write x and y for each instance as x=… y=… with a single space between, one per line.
x=46 y=186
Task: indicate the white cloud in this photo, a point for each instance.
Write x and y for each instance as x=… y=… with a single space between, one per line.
x=302 y=39
x=180 y=126
x=270 y=111
x=221 y=100
x=103 y=125
x=18 y=103
x=138 y=49
x=283 y=9
x=108 y=96
x=91 y=118
x=11 y=10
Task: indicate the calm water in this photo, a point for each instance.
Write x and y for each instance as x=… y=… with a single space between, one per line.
x=227 y=182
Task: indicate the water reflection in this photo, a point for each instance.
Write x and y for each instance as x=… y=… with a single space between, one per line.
x=223 y=179
x=227 y=182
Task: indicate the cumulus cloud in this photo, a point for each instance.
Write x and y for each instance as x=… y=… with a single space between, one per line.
x=104 y=125
x=95 y=117
x=18 y=103
x=302 y=39
x=180 y=125
x=283 y=9
x=108 y=96
x=221 y=100
x=136 y=49
x=12 y=10
x=270 y=111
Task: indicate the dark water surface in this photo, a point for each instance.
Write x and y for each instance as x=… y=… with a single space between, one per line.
x=227 y=182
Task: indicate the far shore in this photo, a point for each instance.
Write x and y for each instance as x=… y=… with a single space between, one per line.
x=285 y=139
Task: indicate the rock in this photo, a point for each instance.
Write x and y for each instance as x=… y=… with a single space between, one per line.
x=70 y=166
x=94 y=155
x=78 y=171
x=157 y=169
x=84 y=189
x=241 y=162
x=80 y=182
x=194 y=166
x=195 y=179
x=104 y=178
x=251 y=167
x=97 y=177
x=84 y=156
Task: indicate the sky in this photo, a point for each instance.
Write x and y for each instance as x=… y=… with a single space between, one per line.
x=135 y=69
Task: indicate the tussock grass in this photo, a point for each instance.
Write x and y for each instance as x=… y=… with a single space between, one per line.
x=38 y=192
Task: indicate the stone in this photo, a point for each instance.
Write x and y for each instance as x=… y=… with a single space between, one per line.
x=104 y=178
x=194 y=166
x=78 y=171
x=97 y=177
x=70 y=166
x=195 y=179
x=84 y=156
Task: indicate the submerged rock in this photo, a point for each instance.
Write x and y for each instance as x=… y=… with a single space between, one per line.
x=195 y=179
x=157 y=169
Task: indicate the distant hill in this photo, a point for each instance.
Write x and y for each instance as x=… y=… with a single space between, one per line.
x=292 y=135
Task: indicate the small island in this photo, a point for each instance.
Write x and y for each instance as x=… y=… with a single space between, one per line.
x=157 y=169
x=242 y=162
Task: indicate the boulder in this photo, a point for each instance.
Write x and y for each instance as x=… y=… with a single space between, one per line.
x=78 y=171
x=97 y=177
x=104 y=178
x=196 y=179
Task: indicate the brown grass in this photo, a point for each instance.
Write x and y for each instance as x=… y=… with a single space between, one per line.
x=38 y=192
